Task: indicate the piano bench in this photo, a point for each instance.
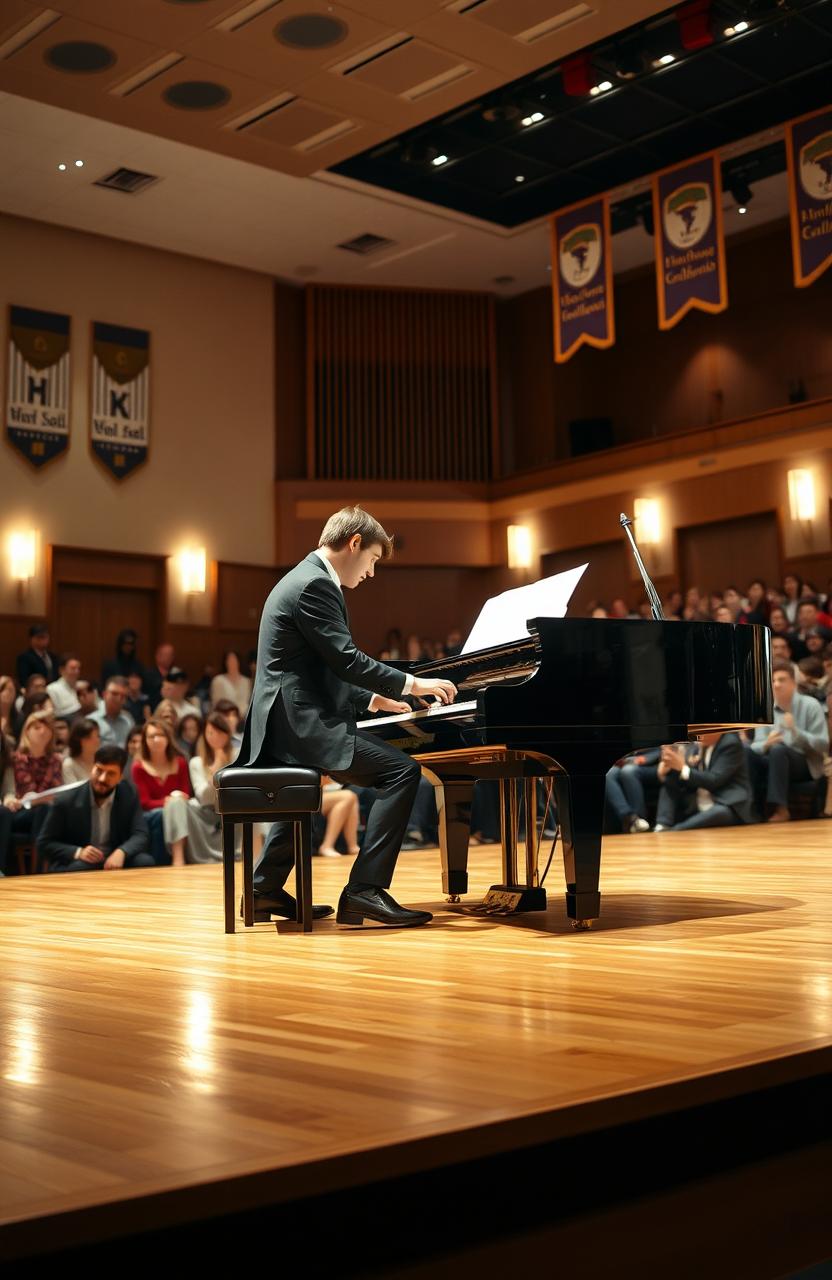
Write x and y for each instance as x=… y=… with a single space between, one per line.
x=249 y=794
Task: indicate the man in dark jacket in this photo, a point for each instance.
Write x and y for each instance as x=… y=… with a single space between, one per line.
x=312 y=685
x=125 y=663
x=99 y=825
x=711 y=788
x=38 y=659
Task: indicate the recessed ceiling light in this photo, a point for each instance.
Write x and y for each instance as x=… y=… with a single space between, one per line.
x=665 y=60
x=740 y=27
x=730 y=31
x=437 y=160
x=534 y=118
x=79 y=164
x=520 y=177
x=603 y=87
x=743 y=208
x=62 y=168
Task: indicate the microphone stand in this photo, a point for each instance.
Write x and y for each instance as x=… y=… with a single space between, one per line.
x=652 y=594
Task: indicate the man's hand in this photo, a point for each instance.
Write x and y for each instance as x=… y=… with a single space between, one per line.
x=662 y=770
x=440 y=690
x=115 y=861
x=391 y=706
x=673 y=757
x=788 y=720
x=12 y=803
x=89 y=853
x=774 y=737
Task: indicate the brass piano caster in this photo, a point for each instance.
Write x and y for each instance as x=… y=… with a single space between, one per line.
x=582 y=924
x=453 y=897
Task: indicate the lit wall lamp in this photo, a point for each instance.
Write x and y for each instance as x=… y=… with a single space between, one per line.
x=519 y=537
x=648 y=522
x=22 y=558
x=193 y=571
x=802 y=505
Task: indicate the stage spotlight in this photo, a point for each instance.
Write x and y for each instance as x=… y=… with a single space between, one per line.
x=603 y=87
x=534 y=118
x=629 y=63
x=742 y=194
x=440 y=159
x=421 y=153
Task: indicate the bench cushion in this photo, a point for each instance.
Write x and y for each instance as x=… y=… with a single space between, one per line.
x=280 y=789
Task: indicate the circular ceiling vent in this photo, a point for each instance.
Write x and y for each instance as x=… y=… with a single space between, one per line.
x=196 y=95
x=80 y=55
x=311 y=31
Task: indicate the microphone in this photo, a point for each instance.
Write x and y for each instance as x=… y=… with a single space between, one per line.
x=652 y=594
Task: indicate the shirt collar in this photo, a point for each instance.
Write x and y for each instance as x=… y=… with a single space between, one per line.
x=105 y=804
x=329 y=568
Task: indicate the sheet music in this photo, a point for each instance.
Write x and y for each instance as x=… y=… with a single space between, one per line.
x=503 y=618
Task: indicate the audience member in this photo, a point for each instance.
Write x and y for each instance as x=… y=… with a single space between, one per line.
x=125 y=663
x=810 y=620
x=37 y=659
x=792 y=592
x=113 y=721
x=704 y=784
x=62 y=691
x=84 y=741
x=722 y=613
x=160 y=775
x=166 y=712
x=811 y=678
x=87 y=691
x=732 y=600
x=137 y=703
x=188 y=732
x=38 y=701
x=6 y=789
x=339 y=806
x=35 y=768
x=790 y=750
x=8 y=697
x=174 y=690
x=134 y=744
x=213 y=752
x=755 y=606
x=232 y=684
x=153 y=677
x=99 y=826
x=231 y=712
x=624 y=790
x=61 y=728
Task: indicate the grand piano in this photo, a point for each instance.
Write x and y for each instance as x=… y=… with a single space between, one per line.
x=556 y=711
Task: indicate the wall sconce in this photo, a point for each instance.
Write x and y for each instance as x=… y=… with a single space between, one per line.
x=519 y=538
x=193 y=571
x=648 y=522
x=22 y=558
x=802 y=504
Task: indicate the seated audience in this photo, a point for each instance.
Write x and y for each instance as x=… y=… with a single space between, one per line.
x=154 y=675
x=188 y=733
x=160 y=775
x=723 y=614
x=624 y=790
x=99 y=826
x=166 y=712
x=84 y=741
x=61 y=728
x=339 y=807
x=755 y=607
x=816 y=642
x=8 y=697
x=174 y=690
x=704 y=784
x=792 y=593
x=732 y=600
x=811 y=678
x=231 y=712
x=125 y=663
x=137 y=703
x=6 y=789
x=113 y=721
x=39 y=701
x=62 y=691
x=87 y=691
x=214 y=751
x=37 y=659
x=792 y=749
x=134 y=745
x=781 y=648
x=35 y=768
x=422 y=828
x=232 y=684
x=810 y=620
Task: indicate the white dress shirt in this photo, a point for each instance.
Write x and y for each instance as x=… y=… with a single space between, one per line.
x=330 y=568
x=704 y=799
x=100 y=815
x=64 y=698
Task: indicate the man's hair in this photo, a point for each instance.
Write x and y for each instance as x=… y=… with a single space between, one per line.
x=119 y=682
x=349 y=521
x=811 y=667
x=67 y=657
x=38 y=629
x=110 y=753
x=85 y=680
x=781 y=664
x=813 y=600
x=225 y=705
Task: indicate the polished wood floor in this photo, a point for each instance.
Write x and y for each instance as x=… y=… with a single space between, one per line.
x=143 y=1050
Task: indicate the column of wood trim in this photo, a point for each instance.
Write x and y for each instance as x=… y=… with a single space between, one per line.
x=311 y=415
x=496 y=468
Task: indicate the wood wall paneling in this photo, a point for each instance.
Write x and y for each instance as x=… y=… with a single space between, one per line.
x=722 y=553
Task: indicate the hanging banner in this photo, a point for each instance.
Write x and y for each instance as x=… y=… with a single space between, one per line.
x=809 y=153
x=690 y=246
x=582 y=278
x=37 y=384
x=120 y=420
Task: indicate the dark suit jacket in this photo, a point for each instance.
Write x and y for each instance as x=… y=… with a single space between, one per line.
x=726 y=777
x=30 y=663
x=312 y=683
x=68 y=824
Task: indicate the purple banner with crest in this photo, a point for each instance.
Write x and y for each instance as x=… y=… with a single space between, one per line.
x=809 y=151
x=690 y=247
x=582 y=278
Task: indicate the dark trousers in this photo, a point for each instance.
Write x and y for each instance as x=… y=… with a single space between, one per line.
x=624 y=791
x=395 y=779
x=677 y=809
x=776 y=771
x=132 y=860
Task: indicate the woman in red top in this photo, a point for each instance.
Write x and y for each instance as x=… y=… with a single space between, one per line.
x=160 y=775
x=36 y=767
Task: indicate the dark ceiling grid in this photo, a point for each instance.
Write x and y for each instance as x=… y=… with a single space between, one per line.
x=780 y=68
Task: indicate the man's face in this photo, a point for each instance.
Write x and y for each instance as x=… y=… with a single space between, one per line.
x=807 y=616
x=780 y=648
x=114 y=697
x=72 y=670
x=778 y=620
x=174 y=690
x=61 y=733
x=35 y=684
x=360 y=564
x=783 y=686
x=732 y=598
x=134 y=684
x=164 y=656
x=41 y=642
x=86 y=696
x=104 y=779
x=709 y=740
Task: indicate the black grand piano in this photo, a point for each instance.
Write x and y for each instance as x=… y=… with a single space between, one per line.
x=557 y=710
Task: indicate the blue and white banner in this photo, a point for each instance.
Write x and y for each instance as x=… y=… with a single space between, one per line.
x=37 y=384
x=120 y=419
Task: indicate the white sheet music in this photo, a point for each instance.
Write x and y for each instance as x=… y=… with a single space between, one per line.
x=503 y=618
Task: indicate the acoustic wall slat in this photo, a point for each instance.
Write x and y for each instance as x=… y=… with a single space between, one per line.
x=399 y=384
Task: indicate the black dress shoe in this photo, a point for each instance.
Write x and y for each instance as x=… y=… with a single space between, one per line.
x=282 y=904
x=367 y=902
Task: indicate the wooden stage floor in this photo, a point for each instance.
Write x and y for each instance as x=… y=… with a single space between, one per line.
x=156 y=1071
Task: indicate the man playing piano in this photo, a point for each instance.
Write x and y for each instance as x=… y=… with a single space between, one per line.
x=311 y=686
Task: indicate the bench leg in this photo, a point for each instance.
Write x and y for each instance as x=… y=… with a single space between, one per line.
x=303 y=871
x=248 y=875
x=228 y=873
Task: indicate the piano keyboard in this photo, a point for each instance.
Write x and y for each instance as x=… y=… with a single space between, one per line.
x=431 y=713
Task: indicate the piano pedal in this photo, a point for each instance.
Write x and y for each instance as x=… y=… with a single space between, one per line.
x=509 y=900
x=453 y=898
x=582 y=925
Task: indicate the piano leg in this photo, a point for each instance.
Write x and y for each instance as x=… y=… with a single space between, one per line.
x=580 y=799
x=453 y=804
